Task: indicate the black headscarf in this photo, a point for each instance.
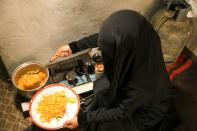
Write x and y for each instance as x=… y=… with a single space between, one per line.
x=132 y=55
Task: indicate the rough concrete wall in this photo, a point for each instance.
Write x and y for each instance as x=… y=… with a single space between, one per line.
x=34 y=29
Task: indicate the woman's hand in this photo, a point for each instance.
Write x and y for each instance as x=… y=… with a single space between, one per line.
x=72 y=124
x=63 y=51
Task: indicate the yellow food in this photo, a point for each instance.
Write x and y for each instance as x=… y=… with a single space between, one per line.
x=99 y=67
x=31 y=79
x=52 y=106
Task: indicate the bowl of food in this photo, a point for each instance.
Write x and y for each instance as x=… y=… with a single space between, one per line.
x=29 y=77
x=53 y=105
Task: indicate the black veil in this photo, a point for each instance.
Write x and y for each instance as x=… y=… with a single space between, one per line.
x=132 y=56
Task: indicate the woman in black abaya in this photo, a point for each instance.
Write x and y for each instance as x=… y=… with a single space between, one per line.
x=134 y=95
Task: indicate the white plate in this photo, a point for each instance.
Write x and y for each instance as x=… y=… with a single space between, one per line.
x=72 y=109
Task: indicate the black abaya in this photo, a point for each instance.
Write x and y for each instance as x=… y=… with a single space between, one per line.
x=137 y=97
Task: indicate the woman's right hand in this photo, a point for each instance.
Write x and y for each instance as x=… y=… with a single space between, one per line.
x=63 y=51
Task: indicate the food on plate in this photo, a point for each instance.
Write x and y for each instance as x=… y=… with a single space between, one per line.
x=53 y=106
x=32 y=79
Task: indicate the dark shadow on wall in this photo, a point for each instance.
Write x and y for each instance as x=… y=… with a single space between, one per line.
x=156 y=6
x=3 y=72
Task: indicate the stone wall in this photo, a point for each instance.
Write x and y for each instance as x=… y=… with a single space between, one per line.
x=34 y=29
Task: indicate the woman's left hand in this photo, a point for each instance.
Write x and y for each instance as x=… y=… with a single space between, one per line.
x=72 y=124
